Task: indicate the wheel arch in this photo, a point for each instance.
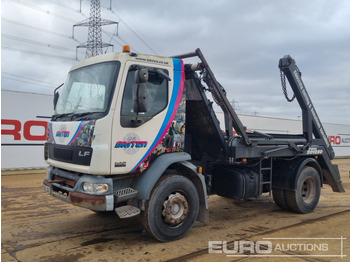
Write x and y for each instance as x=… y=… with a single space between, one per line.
x=313 y=163
x=284 y=176
x=180 y=162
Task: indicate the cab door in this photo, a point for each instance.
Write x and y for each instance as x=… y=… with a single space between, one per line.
x=139 y=127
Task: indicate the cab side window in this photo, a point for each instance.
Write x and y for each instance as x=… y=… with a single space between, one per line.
x=155 y=91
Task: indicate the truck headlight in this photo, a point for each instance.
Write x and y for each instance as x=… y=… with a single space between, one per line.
x=95 y=188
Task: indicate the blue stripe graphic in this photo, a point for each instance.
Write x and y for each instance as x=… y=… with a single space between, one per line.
x=76 y=132
x=177 y=80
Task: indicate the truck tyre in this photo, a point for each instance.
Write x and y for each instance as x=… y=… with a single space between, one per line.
x=307 y=193
x=279 y=196
x=172 y=208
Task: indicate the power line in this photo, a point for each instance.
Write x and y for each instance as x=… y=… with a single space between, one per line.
x=112 y=36
x=27 y=82
x=113 y=39
x=66 y=6
x=137 y=34
x=37 y=43
x=134 y=32
x=45 y=11
x=38 y=29
x=48 y=12
x=117 y=35
x=35 y=53
x=25 y=78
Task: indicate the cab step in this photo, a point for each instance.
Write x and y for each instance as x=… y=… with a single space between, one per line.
x=124 y=194
x=127 y=211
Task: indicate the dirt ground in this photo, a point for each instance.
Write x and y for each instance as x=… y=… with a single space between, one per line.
x=38 y=227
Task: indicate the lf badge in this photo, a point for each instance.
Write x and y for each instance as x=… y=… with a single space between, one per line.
x=83 y=153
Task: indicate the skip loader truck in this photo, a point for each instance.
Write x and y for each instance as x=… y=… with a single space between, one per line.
x=137 y=134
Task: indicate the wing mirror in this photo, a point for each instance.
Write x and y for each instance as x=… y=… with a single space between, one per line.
x=140 y=95
x=56 y=95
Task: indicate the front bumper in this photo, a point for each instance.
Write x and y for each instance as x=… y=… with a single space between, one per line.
x=67 y=186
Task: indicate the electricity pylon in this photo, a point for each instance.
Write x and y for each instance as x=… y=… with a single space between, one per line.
x=94 y=45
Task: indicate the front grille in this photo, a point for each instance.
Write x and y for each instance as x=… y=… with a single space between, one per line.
x=70 y=154
x=63 y=153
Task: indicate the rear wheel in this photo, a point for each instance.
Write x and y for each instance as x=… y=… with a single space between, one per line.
x=279 y=196
x=307 y=193
x=172 y=209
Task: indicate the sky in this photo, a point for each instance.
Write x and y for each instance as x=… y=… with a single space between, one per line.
x=242 y=40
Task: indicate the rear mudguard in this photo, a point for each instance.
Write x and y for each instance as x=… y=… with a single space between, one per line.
x=284 y=176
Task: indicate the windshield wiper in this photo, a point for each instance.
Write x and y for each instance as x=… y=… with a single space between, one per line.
x=73 y=115
x=84 y=114
x=54 y=117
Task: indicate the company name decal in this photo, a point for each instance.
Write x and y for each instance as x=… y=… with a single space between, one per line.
x=62 y=134
x=131 y=144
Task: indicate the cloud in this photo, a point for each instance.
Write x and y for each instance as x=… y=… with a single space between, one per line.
x=242 y=41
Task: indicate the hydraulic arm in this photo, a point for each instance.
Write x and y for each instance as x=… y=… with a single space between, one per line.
x=311 y=121
x=219 y=94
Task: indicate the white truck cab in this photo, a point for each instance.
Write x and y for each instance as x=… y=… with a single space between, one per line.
x=97 y=129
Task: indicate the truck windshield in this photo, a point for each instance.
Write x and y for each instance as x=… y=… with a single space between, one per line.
x=88 y=90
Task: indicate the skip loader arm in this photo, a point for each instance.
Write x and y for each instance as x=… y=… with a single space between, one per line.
x=219 y=94
x=312 y=125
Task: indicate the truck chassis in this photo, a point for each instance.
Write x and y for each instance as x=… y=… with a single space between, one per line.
x=171 y=194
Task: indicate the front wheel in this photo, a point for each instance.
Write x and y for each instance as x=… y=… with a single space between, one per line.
x=172 y=209
x=307 y=193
